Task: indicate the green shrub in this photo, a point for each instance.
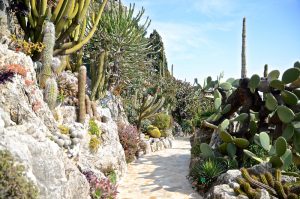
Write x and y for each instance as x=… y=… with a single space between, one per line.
x=93 y=128
x=162 y=121
x=94 y=144
x=13 y=183
x=187 y=126
x=258 y=151
x=154 y=131
x=144 y=125
x=204 y=173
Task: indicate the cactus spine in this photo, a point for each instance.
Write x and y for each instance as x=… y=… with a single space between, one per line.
x=244 y=69
x=47 y=54
x=51 y=92
x=81 y=93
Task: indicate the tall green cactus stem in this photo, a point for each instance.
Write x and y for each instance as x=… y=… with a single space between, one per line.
x=88 y=106
x=51 y=93
x=68 y=17
x=100 y=75
x=47 y=53
x=149 y=107
x=266 y=71
x=81 y=93
x=94 y=110
x=244 y=68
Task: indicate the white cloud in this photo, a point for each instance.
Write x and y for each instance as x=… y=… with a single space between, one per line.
x=215 y=7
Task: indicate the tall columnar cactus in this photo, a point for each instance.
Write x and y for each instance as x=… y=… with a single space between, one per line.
x=51 y=93
x=172 y=70
x=88 y=106
x=244 y=68
x=98 y=76
x=81 y=93
x=47 y=53
x=266 y=71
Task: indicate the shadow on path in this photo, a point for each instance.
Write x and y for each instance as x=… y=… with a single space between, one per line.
x=160 y=175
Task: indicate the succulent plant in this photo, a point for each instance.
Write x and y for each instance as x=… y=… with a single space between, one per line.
x=81 y=94
x=51 y=93
x=250 y=185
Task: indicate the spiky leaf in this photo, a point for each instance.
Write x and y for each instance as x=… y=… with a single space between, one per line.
x=279 y=85
x=290 y=75
x=271 y=102
x=289 y=97
x=281 y=146
x=285 y=114
x=264 y=140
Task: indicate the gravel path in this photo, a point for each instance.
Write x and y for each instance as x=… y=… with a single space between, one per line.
x=160 y=175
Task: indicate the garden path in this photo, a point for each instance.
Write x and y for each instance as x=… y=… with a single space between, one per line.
x=160 y=175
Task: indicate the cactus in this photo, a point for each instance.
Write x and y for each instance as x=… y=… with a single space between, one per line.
x=81 y=94
x=290 y=75
x=99 y=79
x=153 y=131
x=69 y=18
x=206 y=150
x=254 y=82
x=88 y=106
x=148 y=108
x=289 y=98
x=266 y=71
x=244 y=69
x=273 y=185
x=285 y=114
x=51 y=93
x=47 y=53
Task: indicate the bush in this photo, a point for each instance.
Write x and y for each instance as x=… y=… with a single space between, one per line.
x=94 y=144
x=101 y=189
x=153 y=131
x=93 y=128
x=13 y=183
x=187 y=126
x=162 y=121
x=144 y=125
x=195 y=150
x=129 y=138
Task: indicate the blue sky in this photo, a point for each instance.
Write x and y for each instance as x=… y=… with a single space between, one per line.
x=203 y=37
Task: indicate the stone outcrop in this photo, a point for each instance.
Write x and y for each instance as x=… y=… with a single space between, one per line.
x=29 y=130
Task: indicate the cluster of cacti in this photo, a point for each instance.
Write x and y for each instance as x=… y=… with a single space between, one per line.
x=242 y=113
x=251 y=185
x=68 y=86
x=153 y=131
x=81 y=94
x=70 y=18
x=67 y=137
x=148 y=107
x=279 y=154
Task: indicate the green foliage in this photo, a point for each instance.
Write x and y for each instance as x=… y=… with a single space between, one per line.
x=94 y=128
x=144 y=125
x=162 y=121
x=258 y=151
x=153 y=131
x=13 y=183
x=205 y=173
x=187 y=126
x=94 y=144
